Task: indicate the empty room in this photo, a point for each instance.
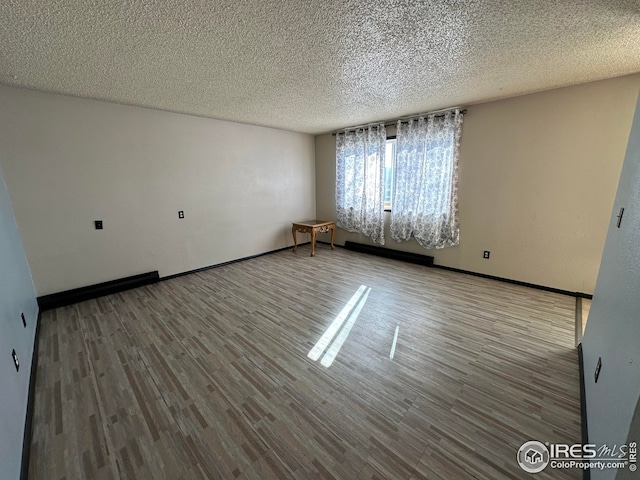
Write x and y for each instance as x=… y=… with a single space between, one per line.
x=319 y=240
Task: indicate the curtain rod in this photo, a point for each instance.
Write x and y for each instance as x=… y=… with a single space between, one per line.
x=389 y=123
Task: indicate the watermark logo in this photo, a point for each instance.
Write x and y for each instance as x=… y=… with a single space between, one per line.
x=533 y=456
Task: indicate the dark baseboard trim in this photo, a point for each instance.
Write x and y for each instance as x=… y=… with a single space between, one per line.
x=28 y=423
x=389 y=253
x=69 y=297
x=428 y=261
x=516 y=282
x=203 y=269
x=583 y=408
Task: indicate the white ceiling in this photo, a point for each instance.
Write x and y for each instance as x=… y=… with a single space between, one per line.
x=313 y=66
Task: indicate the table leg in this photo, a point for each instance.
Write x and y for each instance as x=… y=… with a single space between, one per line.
x=333 y=232
x=295 y=242
x=313 y=242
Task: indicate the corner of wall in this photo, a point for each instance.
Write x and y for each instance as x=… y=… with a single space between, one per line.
x=17 y=298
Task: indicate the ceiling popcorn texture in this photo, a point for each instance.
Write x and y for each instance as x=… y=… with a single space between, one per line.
x=313 y=66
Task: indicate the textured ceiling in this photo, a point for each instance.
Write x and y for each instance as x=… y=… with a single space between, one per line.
x=313 y=66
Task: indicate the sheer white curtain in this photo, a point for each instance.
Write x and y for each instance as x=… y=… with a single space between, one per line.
x=425 y=199
x=360 y=180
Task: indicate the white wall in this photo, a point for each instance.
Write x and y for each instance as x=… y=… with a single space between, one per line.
x=538 y=176
x=17 y=296
x=70 y=161
x=613 y=330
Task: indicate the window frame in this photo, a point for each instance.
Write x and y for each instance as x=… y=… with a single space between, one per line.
x=388 y=204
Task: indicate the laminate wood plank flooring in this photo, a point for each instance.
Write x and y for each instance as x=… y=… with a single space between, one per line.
x=206 y=376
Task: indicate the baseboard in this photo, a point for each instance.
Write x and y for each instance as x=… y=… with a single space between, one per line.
x=516 y=282
x=217 y=265
x=389 y=253
x=69 y=297
x=429 y=262
x=31 y=397
x=583 y=408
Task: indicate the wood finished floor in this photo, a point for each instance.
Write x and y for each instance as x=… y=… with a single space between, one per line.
x=207 y=376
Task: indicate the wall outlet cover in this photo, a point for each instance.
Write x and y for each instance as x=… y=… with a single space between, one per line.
x=486 y=254
x=98 y=224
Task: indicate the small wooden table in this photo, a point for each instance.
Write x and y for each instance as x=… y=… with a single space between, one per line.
x=313 y=227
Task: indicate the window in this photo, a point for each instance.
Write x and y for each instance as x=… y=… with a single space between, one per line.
x=417 y=180
x=360 y=181
x=425 y=192
x=389 y=162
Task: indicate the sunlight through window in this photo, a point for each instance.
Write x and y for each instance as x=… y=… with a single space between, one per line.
x=395 y=340
x=350 y=314
x=335 y=347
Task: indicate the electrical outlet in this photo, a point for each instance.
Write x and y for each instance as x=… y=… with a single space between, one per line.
x=98 y=224
x=486 y=254
x=16 y=362
x=598 y=367
x=181 y=214
x=24 y=320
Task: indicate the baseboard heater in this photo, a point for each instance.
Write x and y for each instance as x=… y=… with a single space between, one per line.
x=69 y=297
x=388 y=253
